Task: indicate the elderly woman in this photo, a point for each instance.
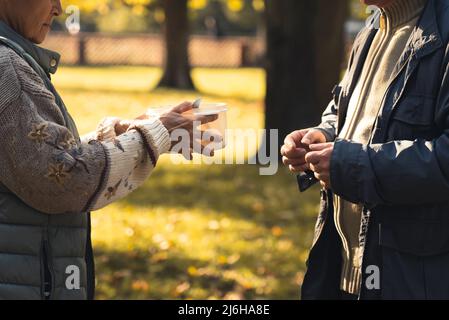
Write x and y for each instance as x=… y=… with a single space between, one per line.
x=50 y=178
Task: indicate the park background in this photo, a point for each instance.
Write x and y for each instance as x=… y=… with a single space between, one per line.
x=200 y=231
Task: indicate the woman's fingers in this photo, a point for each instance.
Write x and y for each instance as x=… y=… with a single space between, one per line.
x=183 y=107
x=200 y=141
x=206 y=118
x=122 y=126
x=211 y=137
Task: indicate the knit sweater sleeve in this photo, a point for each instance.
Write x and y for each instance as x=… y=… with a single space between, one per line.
x=48 y=169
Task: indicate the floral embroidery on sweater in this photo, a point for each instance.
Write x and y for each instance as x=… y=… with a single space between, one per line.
x=57 y=173
x=138 y=159
x=39 y=132
x=112 y=190
x=68 y=141
x=118 y=145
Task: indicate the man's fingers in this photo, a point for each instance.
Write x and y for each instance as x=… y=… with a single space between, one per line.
x=289 y=141
x=319 y=176
x=294 y=138
x=298 y=169
x=294 y=169
x=321 y=166
x=308 y=138
x=324 y=177
x=314 y=168
x=183 y=107
x=292 y=152
x=313 y=136
x=294 y=162
x=313 y=157
x=286 y=148
x=320 y=146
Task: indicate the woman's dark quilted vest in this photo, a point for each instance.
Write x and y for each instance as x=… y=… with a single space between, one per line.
x=43 y=256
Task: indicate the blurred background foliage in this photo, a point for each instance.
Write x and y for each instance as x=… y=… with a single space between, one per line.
x=235 y=17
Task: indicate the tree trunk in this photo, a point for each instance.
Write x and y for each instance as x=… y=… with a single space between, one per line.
x=305 y=49
x=177 y=66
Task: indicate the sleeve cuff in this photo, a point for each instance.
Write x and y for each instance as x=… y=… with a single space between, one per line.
x=155 y=135
x=346 y=170
x=328 y=133
x=128 y=166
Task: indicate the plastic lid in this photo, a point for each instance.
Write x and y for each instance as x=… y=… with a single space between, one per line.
x=207 y=109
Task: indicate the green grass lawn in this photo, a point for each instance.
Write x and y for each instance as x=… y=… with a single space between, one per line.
x=194 y=231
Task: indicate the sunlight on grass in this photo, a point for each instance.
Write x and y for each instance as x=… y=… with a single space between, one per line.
x=234 y=235
x=245 y=84
x=194 y=231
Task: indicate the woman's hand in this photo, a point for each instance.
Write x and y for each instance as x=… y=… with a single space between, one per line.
x=179 y=118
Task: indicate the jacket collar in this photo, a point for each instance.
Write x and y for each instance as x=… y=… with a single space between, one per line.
x=424 y=40
x=48 y=60
x=426 y=37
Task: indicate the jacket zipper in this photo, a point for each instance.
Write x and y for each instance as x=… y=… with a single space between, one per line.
x=47 y=282
x=338 y=224
x=365 y=213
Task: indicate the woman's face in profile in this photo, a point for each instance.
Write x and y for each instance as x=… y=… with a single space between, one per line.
x=31 y=18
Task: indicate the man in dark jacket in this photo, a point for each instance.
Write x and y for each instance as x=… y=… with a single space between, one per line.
x=381 y=154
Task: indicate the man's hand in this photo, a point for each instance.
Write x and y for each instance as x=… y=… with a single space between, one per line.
x=296 y=146
x=319 y=159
